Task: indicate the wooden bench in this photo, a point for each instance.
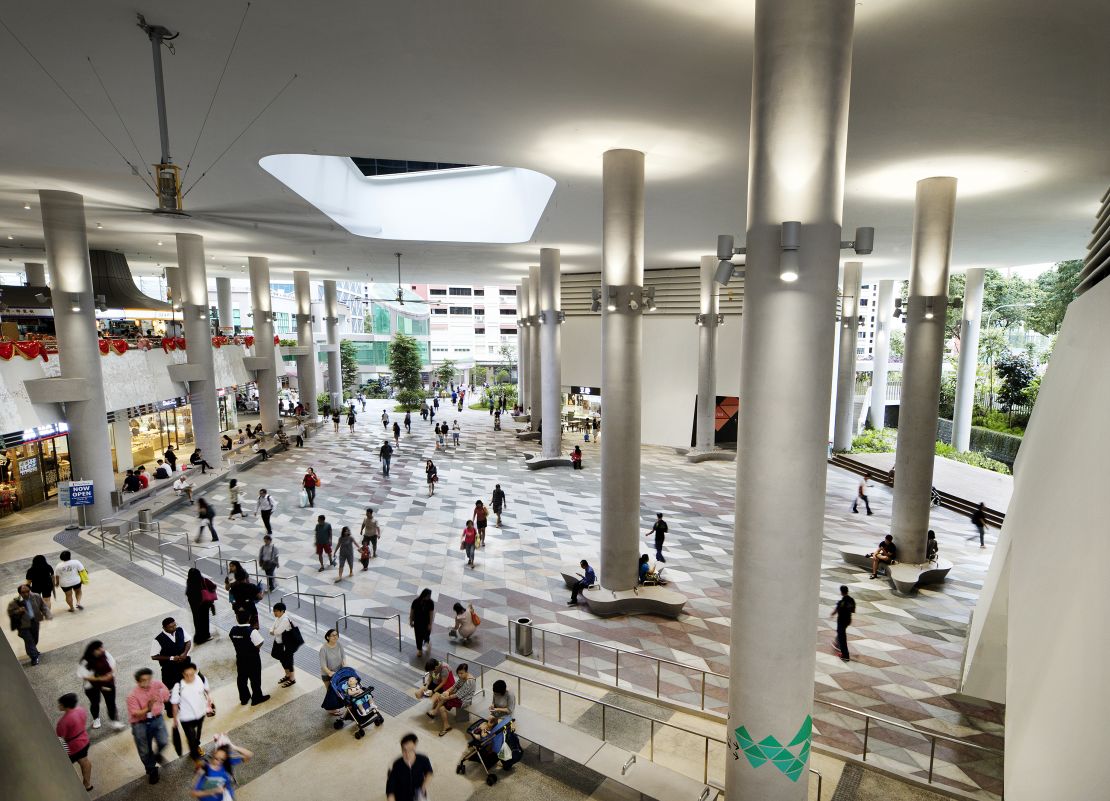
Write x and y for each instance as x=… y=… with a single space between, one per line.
x=616 y=764
x=651 y=600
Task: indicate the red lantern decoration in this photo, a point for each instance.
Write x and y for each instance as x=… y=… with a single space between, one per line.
x=103 y=343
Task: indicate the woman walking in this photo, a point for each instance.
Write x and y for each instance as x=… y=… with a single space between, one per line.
x=206 y=514
x=310 y=482
x=284 y=646
x=264 y=508
x=40 y=575
x=192 y=703
x=200 y=592
x=481 y=518
x=433 y=476
x=370 y=532
x=469 y=538
x=345 y=552
x=97 y=671
x=68 y=576
x=335 y=420
x=235 y=496
x=408 y=422
x=331 y=659
x=396 y=434
x=71 y=730
x=351 y=419
x=421 y=614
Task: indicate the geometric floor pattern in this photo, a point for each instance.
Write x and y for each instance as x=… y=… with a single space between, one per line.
x=906 y=651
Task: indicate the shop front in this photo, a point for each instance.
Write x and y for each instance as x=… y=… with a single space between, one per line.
x=32 y=463
x=228 y=408
x=583 y=409
x=149 y=430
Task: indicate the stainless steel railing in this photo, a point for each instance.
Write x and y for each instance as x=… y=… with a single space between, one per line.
x=314 y=596
x=370 y=626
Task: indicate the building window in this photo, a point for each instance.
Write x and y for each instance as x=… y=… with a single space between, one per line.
x=461 y=310
x=508 y=330
x=479 y=312
x=507 y=293
x=479 y=330
x=480 y=292
x=861 y=335
x=508 y=312
x=437 y=291
x=863 y=301
x=460 y=290
x=439 y=311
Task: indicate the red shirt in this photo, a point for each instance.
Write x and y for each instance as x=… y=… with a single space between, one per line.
x=470 y=534
x=139 y=697
x=310 y=480
x=144 y=482
x=71 y=728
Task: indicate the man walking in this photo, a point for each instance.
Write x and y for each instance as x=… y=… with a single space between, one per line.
x=248 y=664
x=843 y=611
x=861 y=494
x=170 y=649
x=146 y=704
x=265 y=508
x=385 y=453
x=323 y=542
x=659 y=529
x=498 y=502
x=410 y=775
x=25 y=612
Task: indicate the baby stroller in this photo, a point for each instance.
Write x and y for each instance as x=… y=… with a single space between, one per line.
x=358 y=699
x=499 y=744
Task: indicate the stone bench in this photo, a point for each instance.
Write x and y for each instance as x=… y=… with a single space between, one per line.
x=857 y=555
x=905 y=577
x=570 y=575
x=124 y=500
x=533 y=461
x=643 y=600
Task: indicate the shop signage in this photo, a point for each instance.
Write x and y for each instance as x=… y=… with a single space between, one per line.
x=28 y=466
x=596 y=391
x=80 y=493
x=44 y=432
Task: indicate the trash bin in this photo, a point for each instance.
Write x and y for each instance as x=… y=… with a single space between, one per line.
x=146 y=519
x=524 y=636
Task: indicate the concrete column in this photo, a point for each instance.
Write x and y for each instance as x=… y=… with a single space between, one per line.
x=121 y=435
x=551 y=354
x=261 y=306
x=198 y=338
x=799 y=121
x=883 y=318
x=535 y=364
x=523 y=299
x=306 y=365
x=34 y=764
x=35 y=273
x=934 y=211
x=706 y=428
x=622 y=271
x=844 y=426
x=67 y=253
x=335 y=373
x=224 y=307
x=174 y=295
x=969 y=359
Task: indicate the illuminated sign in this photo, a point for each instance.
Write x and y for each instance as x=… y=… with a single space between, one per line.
x=28 y=466
x=585 y=391
x=45 y=432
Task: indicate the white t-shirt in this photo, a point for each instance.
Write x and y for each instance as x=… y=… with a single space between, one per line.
x=69 y=573
x=281 y=625
x=191 y=698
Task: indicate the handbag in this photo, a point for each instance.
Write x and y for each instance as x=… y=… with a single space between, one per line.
x=477 y=621
x=84 y=574
x=292 y=639
x=278 y=651
x=208 y=593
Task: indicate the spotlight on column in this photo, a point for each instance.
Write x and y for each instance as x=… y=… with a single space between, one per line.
x=725 y=269
x=864 y=242
x=649 y=298
x=898 y=311
x=929 y=309
x=720 y=319
x=595 y=299
x=699 y=319
x=75 y=303
x=725 y=246
x=790 y=239
x=43 y=298
x=611 y=305
x=101 y=303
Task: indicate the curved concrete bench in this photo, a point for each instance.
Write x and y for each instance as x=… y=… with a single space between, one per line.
x=906 y=578
x=640 y=601
x=522 y=435
x=714 y=455
x=857 y=555
x=533 y=461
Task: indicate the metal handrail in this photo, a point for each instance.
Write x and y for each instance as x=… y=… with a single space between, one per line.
x=269 y=592
x=659 y=661
x=219 y=559
x=315 y=595
x=370 y=627
x=653 y=722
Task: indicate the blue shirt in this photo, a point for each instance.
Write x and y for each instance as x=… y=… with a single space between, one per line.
x=218 y=779
x=590 y=578
x=645 y=568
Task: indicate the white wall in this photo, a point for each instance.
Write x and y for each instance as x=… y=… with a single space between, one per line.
x=670 y=370
x=1058 y=525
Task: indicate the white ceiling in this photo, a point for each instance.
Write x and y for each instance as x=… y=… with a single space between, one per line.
x=1009 y=95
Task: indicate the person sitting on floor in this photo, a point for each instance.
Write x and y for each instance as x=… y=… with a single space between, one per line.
x=886 y=552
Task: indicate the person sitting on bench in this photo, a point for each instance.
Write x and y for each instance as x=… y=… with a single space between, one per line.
x=932 y=548
x=160 y=471
x=648 y=576
x=886 y=552
x=576 y=458
x=131 y=482
x=589 y=578
x=197 y=459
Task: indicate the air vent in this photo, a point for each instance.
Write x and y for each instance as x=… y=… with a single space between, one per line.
x=370 y=167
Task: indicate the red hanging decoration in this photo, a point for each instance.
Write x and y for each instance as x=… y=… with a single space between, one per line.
x=248 y=341
x=277 y=339
x=180 y=342
x=119 y=346
x=168 y=344
x=103 y=343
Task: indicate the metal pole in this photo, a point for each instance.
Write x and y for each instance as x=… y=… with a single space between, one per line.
x=866 y=735
x=370 y=631
x=705 y=764
x=315 y=625
x=651 y=739
x=932 y=754
x=579 y=657
x=160 y=93
x=543 y=646
x=559 y=705
x=703 y=689
x=398 y=633
x=659 y=675
x=603 y=721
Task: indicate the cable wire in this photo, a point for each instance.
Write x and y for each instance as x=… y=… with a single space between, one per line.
x=76 y=105
x=219 y=83
x=240 y=136
x=119 y=116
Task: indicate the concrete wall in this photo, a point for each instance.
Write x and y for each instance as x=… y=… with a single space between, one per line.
x=670 y=374
x=1058 y=526
x=17 y=413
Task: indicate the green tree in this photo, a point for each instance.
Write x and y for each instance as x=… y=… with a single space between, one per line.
x=445 y=373
x=508 y=358
x=1017 y=373
x=480 y=375
x=1053 y=291
x=405 y=363
x=348 y=364
x=992 y=345
x=898 y=343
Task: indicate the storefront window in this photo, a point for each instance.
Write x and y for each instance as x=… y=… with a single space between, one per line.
x=30 y=472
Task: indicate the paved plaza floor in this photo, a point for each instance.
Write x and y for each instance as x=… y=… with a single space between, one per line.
x=907 y=651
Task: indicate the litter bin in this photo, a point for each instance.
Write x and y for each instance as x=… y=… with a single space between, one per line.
x=524 y=636
x=146 y=519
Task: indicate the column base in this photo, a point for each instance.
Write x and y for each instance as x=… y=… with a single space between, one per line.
x=521 y=418
x=648 y=600
x=523 y=435
x=696 y=455
x=534 y=461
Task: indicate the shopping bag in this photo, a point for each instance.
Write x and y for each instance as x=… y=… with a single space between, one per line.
x=84 y=574
x=477 y=621
x=176 y=737
x=304 y=499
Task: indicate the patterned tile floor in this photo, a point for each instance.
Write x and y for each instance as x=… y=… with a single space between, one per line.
x=907 y=650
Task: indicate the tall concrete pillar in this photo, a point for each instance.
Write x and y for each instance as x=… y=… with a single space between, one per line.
x=969 y=359
x=535 y=371
x=883 y=318
x=551 y=380
x=335 y=373
x=121 y=437
x=800 y=87
x=524 y=335
x=198 y=338
x=261 y=306
x=306 y=365
x=35 y=273
x=622 y=276
x=845 y=426
x=174 y=296
x=224 y=308
x=934 y=212
x=706 y=427
x=67 y=253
